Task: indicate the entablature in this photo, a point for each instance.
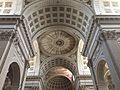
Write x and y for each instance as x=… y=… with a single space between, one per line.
x=108 y=21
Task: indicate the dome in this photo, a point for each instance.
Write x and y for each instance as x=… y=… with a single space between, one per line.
x=57 y=42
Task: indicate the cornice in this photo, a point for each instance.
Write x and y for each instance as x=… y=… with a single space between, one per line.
x=108 y=19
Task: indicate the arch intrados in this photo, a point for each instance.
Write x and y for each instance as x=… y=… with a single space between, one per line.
x=58 y=76
x=58 y=67
x=72 y=69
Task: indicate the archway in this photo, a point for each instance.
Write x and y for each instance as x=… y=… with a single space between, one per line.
x=58 y=70
x=65 y=78
x=58 y=61
x=13 y=78
x=57 y=26
x=59 y=83
x=104 y=77
x=58 y=67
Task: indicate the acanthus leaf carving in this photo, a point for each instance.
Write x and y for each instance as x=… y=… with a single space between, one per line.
x=5 y=35
x=113 y=34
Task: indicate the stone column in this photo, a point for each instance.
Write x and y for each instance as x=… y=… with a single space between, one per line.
x=111 y=50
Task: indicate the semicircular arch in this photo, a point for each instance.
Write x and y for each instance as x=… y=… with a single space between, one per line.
x=58 y=61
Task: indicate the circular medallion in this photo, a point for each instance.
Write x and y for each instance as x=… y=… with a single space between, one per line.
x=57 y=43
x=60 y=42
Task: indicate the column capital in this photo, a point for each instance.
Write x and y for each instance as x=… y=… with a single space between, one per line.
x=6 y=35
x=111 y=35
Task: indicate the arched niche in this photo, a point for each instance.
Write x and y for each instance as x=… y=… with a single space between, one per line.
x=12 y=78
x=104 y=78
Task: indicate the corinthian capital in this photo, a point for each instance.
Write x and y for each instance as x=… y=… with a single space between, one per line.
x=111 y=34
x=5 y=35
